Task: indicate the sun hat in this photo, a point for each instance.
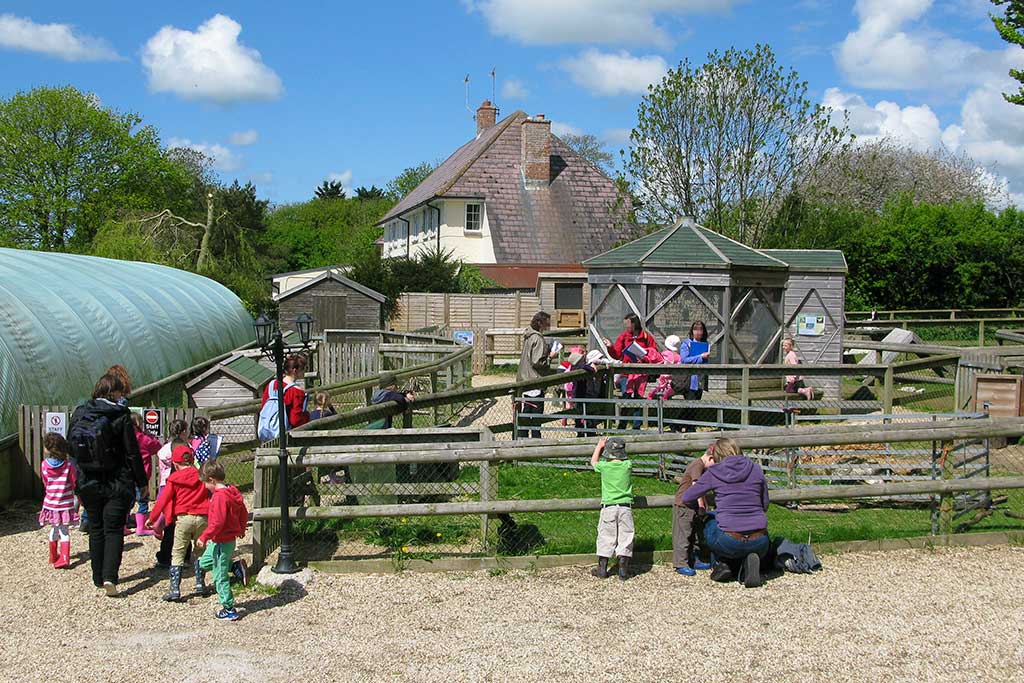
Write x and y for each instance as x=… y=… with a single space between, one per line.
x=615 y=448
x=672 y=343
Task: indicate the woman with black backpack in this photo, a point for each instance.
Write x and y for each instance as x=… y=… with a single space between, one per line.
x=106 y=453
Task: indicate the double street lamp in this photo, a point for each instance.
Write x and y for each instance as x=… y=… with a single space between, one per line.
x=271 y=341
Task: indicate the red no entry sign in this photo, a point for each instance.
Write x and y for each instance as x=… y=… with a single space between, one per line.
x=152 y=417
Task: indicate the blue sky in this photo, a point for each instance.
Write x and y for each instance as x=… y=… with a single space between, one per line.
x=288 y=94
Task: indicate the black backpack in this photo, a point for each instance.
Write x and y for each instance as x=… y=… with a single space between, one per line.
x=92 y=440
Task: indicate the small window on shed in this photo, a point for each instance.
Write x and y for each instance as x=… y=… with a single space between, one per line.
x=474 y=217
x=568 y=296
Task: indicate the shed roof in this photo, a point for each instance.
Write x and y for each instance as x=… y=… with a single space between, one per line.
x=242 y=369
x=682 y=245
x=811 y=259
x=329 y=275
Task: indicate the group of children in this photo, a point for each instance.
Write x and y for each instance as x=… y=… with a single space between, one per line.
x=195 y=508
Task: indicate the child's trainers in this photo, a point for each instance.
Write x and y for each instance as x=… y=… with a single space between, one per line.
x=227 y=614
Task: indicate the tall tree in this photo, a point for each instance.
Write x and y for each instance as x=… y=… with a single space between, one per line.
x=329 y=189
x=1011 y=29
x=371 y=193
x=591 y=148
x=726 y=141
x=406 y=181
x=69 y=164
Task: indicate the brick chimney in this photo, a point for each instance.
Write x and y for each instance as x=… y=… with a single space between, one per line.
x=536 y=150
x=486 y=116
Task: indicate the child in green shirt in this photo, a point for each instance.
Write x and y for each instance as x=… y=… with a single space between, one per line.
x=615 y=529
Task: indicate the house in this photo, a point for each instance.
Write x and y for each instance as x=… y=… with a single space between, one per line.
x=514 y=201
x=334 y=301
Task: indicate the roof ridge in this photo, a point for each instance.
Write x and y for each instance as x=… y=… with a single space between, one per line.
x=624 y=245
x=504 y=124
x=699 y=231
x=669 y=233
x=747 y=246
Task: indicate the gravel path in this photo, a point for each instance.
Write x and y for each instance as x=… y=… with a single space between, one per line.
x=902 y=616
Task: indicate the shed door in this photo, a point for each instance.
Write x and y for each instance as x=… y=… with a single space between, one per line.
x=329 y=312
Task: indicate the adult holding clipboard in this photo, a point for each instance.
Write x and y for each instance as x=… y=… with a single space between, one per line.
x=634 y=345
x=694 y=350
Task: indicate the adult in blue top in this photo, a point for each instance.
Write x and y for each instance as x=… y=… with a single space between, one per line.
x=738 y=533
x=698 y=333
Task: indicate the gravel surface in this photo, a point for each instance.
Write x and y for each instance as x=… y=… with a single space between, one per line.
x=903 y=616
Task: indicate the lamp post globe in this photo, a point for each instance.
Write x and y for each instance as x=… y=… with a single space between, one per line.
x=304 y=323
x=264 y=328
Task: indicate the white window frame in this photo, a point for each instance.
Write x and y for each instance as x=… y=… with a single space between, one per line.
x=480 y=218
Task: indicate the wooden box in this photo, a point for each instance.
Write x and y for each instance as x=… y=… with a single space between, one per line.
x=568 y=319
x=1003 y=393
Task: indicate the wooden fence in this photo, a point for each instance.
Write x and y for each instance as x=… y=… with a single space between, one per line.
x=936 y=313
x=26 y=482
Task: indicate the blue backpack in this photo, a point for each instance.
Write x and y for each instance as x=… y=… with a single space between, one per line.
x=268 y=426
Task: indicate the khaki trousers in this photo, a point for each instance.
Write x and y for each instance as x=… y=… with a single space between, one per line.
x=187 y=530
x=615 y=532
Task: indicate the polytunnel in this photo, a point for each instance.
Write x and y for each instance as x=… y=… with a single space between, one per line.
x=65 y=318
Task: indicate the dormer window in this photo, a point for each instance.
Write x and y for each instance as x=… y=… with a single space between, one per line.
x=474 y=217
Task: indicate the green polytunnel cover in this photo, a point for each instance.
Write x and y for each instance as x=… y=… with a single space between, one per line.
x=66 y=318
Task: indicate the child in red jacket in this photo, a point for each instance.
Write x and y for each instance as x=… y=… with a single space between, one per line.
x=149 y=446
x=185 y=503
x=227 y=521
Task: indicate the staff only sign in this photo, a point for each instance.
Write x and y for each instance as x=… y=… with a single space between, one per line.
x=57 y=423
x=153 y=422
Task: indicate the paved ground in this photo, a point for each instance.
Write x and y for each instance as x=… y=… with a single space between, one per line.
x=904 y=616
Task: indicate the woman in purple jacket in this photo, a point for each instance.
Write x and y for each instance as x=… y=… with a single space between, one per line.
x=738 y=533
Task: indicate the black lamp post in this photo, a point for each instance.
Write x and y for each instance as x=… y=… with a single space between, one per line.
x=271 y=340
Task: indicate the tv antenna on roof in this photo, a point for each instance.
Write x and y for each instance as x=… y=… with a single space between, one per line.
x=493 y=77
x=468 y=108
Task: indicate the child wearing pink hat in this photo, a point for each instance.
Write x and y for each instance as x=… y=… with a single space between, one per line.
x=670 y=356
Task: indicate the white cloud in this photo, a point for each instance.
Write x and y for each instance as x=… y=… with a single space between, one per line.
x=917 y=126
x=56 y=40
x=559 y=129
x=243 y=138
x=543 y=22
x=607 y=73
x=261 y=178
x=892 y=49
x=345 y=178
x=208 y=64
x=617 y=137
x=224 y=159
x=514 y=89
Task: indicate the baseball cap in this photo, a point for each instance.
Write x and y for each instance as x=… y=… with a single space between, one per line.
x=388 y=379
x=182 y=455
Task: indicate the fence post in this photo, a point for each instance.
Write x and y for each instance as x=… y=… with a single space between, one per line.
x=745 y=396
x=887 y=391
x=946 y=502
x=981 y=333
x=368 y=393
x=485 y=491
x=433 y=390
x=258 y=545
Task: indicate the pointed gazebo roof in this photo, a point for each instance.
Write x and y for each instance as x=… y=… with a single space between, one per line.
x=685 y=245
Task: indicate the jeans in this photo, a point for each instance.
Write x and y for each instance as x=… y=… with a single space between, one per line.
x=529 y=407
x=725 y=547
x=107 y=508
x=143 y=502
x=217 y=557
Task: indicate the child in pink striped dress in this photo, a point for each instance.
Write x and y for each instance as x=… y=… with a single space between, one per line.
x=60 y=509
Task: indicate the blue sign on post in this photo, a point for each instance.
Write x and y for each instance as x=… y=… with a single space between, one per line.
x=463 y=337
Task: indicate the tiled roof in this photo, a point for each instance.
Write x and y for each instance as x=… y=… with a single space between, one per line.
x=686 y=244
x=250 y=369
x=567 y=221
x=522 y=275
x=811 y=259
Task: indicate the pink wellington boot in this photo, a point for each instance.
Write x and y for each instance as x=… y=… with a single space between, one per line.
x=64 y=559
x=140 y=525
x=53 y=551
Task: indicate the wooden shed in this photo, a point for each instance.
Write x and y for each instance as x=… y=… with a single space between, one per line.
x=237 y=379
x=566 y=296
x=749 y=299
x=814 y=307
x=335 y=302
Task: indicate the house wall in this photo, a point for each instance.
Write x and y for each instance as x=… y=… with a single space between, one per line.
x=361 y=312
x=422 y=233
x=828 y=348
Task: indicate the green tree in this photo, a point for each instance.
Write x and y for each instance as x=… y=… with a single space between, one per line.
x=365 y=194
x=329 y=189
x=1011 y=28
x=724 y=142
x=591 y=148
x=69 y=165
x=406 y=181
